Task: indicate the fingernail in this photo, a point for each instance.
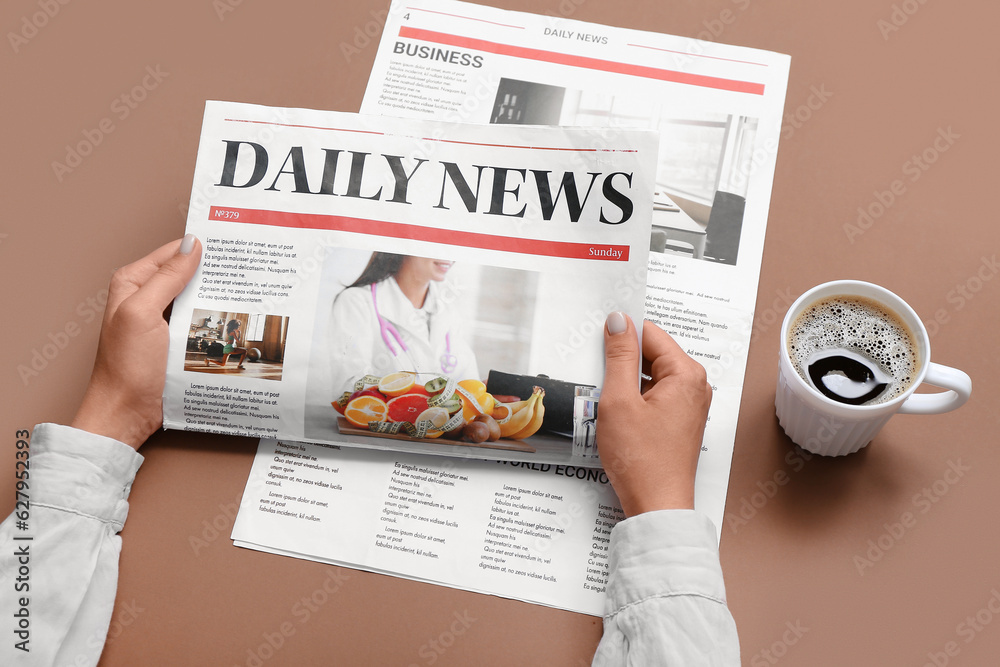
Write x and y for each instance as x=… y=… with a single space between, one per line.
x=187 y=244
x=617 y=323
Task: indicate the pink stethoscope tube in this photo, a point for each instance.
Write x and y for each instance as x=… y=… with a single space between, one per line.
x=448 y=361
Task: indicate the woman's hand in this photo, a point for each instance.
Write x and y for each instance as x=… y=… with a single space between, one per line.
x=650 y=440
x=124 y=398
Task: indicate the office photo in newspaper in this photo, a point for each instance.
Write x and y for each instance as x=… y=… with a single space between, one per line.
x=718 y=109
x=422 y=286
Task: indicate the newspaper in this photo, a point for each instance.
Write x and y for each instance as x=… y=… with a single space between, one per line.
x=530 y=530
x=718 y=109
x=533 y=532
x=419 y=286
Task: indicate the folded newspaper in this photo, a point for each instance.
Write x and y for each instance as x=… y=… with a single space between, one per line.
x=421 y=286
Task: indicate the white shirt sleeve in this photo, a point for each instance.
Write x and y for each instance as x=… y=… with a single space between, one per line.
x=66 y=575
x=666 y=600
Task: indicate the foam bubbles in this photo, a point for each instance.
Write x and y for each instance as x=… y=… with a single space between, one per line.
x=857 y=325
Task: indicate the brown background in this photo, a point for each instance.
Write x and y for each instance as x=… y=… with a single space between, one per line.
x=792 y=562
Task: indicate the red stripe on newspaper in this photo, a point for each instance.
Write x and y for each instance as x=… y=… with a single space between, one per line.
x=398 y=230
x=582 y=61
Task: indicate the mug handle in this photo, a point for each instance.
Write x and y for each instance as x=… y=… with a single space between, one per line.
x=958 y=384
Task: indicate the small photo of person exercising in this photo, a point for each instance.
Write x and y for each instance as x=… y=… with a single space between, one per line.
x=234 y=338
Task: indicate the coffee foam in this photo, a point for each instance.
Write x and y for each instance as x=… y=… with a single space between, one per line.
x=861 y=326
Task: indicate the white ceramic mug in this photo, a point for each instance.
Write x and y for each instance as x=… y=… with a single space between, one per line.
x=823 y=426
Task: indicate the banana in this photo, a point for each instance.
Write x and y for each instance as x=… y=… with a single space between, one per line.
x=521 y=418
x=536 y=419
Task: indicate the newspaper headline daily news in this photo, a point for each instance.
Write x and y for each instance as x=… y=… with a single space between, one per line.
x=402 y=284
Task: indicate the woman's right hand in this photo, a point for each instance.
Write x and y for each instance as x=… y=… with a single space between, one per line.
x=650 y=438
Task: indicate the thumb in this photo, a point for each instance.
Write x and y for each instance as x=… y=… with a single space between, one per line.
x=621 y=354
x=171 y=275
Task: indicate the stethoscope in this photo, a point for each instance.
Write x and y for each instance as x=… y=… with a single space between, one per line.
x=449 y=362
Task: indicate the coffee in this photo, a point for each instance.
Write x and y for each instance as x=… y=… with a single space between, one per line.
x=853 y=350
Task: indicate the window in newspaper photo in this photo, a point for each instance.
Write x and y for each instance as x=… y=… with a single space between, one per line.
x=703 y=167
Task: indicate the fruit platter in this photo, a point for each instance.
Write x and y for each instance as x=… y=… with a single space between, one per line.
x=406 y=405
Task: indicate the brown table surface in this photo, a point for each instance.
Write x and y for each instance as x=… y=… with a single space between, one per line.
x=874 y=86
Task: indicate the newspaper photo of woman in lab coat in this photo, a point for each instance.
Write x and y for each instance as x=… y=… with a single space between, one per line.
x=413 y=318
x=395 y=317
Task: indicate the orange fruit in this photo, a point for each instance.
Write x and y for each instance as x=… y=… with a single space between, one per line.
x=474 y=387
x=406 y=408
x=364 y=409
x=502 y=411
x=397 y=384
x=478 y=391
x=470 y=412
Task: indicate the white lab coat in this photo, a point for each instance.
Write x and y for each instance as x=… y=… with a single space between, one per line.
x=357 y=348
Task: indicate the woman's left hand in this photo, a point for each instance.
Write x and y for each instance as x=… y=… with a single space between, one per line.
x=124 y=398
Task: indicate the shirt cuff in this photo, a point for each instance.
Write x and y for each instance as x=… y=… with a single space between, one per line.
x=82 y=472
x=663 y=553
